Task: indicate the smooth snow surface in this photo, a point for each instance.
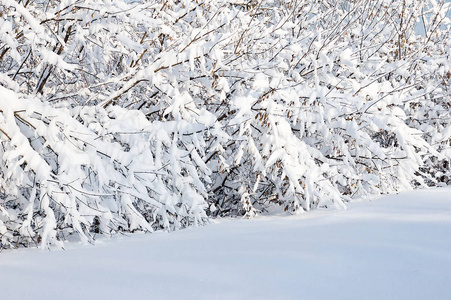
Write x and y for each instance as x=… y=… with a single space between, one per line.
x=394 y=247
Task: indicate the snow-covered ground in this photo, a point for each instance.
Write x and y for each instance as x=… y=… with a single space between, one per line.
x=394 y=247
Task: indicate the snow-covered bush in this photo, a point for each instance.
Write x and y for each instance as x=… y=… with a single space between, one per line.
x=145 y=115
x=327 y=90
x=90 y=170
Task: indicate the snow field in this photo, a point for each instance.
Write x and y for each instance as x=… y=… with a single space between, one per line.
x=394 y=247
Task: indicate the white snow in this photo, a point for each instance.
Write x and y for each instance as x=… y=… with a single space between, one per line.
x=394 y=247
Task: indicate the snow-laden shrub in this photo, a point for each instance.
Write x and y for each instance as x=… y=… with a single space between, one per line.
x=89 y=170
x=336 y=83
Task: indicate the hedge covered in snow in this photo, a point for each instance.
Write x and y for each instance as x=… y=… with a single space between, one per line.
x=117 y=116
